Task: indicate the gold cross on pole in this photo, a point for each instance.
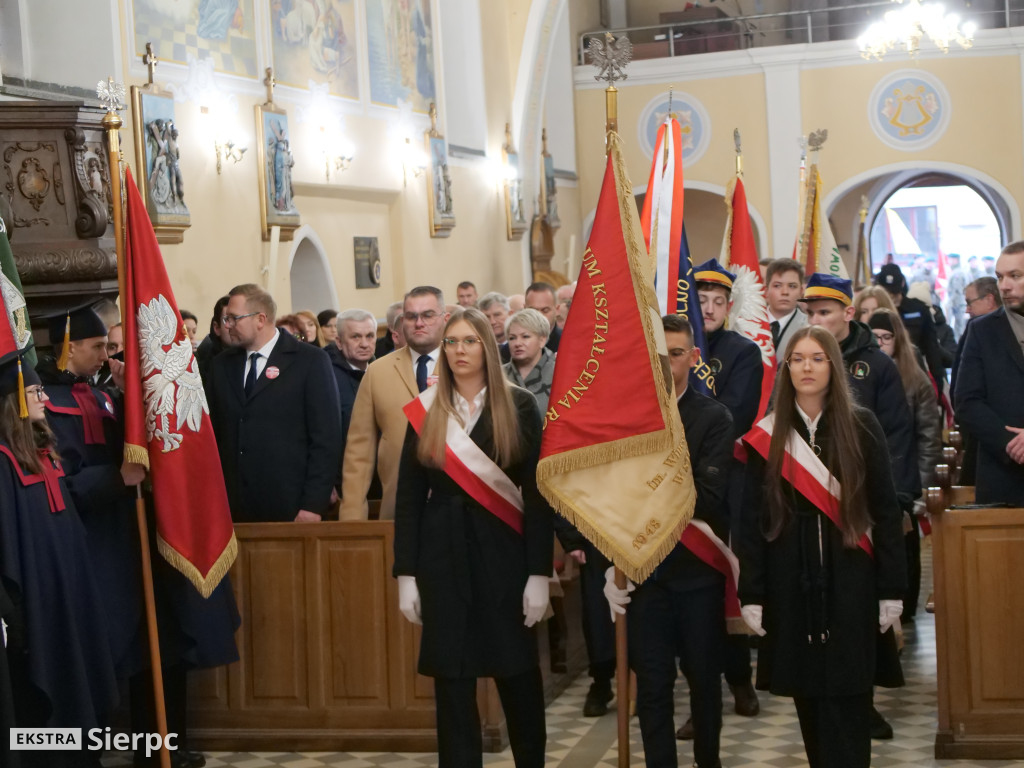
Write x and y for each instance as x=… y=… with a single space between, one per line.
x=150 y=60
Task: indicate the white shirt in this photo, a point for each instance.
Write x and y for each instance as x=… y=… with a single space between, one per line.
x=812 y=424
x=784 y=320
x=462 y=408
x=430 y=363
x=261 y=361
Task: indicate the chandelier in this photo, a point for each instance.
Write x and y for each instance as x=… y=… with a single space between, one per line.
x=907 y=25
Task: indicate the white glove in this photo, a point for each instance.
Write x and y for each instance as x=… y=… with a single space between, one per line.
x=617 y=598
x=3 y=627
x=889 y=612
x=535 y=599
x=752 y=617
x=409 y=599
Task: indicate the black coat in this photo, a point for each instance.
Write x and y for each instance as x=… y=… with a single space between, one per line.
x=106 y=507
x=990 y=397
x=876 y=385
x=471 y=567
x=281 y=446
x=802 y=597
x=8 y=758
x=58 y=633
x=917 y=319
x=736 y=364
x=348 y=379
x=208 y=349
x=708 y=427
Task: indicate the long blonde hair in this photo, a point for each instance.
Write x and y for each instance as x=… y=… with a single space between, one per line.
x=876 y=292
x=504 y=418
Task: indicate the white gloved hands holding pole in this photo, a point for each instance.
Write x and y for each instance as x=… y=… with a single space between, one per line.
x=535 y=599
x=889 y=612
x=753 y=616
x=617 y=598
x=409 y=599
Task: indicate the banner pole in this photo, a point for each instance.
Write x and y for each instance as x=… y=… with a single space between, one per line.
x=112 y=124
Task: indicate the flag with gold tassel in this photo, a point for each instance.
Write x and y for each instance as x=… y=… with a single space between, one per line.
x=620 y=475
x=816 y=246
x=167 y=419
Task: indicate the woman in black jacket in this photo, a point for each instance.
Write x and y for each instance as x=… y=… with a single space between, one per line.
x=822 y=570
x=473 y=543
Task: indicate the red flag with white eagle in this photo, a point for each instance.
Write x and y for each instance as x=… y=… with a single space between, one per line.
x=167 y=419
x=749 y=312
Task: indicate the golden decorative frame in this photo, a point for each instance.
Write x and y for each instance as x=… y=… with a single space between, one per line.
x=169 y=227
x=441 y=222
x=269 y=215
x=515 y=213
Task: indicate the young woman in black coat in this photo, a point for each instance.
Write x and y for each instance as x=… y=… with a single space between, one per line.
x=822 y=569
x=472 y=567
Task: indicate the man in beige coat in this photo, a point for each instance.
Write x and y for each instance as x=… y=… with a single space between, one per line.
x=377 y=429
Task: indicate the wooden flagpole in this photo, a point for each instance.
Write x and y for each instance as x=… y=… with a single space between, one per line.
x=112 y=95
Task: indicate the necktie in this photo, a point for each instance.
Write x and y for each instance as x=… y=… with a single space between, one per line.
x=421 y=371
x=775 y=334
x=250 y=377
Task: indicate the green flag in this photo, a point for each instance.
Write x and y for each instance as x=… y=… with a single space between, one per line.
x=14 y=296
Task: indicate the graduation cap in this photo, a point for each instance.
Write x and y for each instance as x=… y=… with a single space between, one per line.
x=73 y=324
x=16 y=373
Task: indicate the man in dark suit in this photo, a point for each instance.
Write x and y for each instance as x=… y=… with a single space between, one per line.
x=990 y=380
x=680 y=609
x=274 y=405
x=357 y=337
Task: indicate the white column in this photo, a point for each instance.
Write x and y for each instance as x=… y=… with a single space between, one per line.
x=782 y=104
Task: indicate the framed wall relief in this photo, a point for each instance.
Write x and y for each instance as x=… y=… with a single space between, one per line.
x=515 y=213
x=439 y=181
x=275 y=161
x=158 y=159
x=548 y=190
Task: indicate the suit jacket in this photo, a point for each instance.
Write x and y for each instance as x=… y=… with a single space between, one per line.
x=281 y=445
x=736 y=363
x=376 y=433
x=799 y=321
x=990 y=380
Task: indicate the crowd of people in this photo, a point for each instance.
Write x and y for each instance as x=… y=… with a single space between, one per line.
x=438 y=422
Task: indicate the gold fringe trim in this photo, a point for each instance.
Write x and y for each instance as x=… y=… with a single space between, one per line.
x=136 y=454
x=604 y=453
x=205 y=585
x=621 y=558
x=22 y=402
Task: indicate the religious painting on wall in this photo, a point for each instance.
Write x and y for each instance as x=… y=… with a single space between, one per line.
x=515 y=210
x=221 y=30
x=158 y=162
x=400 y=39
x=275 y=161
x=316 y=41
x=439 y=181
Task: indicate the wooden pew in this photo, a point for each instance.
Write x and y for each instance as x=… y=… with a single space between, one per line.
x=979 y=623
x=327 y=661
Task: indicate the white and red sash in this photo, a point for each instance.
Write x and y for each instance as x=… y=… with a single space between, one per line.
x=805 y=472
x=474 y=471
x=702 y=542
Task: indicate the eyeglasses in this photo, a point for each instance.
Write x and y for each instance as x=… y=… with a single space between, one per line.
x=816 y=361
x=976 y=298
x=39 y=392
x=884 y=338
x=469 y=342
x=427 y=317
x=231 y=320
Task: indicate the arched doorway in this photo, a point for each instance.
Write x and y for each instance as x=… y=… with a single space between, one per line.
x=312 y=285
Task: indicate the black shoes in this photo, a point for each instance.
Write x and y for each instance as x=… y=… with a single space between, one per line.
x=685 y=732
x=597 y=699
x=880 y=729
x=746 y=703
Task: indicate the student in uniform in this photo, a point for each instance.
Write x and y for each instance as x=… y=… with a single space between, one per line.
x=472 y=560
x=822 y=568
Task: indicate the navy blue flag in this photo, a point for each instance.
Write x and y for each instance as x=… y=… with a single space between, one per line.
x=688 y=306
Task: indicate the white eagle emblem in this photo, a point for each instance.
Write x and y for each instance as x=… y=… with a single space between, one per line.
x=749 y=310
x=171 y=381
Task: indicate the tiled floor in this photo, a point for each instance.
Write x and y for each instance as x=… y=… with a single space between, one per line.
x=771 y=739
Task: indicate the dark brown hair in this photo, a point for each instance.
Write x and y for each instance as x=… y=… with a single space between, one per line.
x=841 y=448
x=25 y=438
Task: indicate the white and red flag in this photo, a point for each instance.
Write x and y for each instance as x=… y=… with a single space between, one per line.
x=749 y=312
x=167 y=419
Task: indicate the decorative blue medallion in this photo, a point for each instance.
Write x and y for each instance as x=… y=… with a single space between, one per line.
x=693 y=120
x=909 y=109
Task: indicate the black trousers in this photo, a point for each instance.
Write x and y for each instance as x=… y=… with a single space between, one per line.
x=836 y=730
x=736 y=658
x=663 y=623
x=143 y=702
x=912 y=542
x=598 y=629
x=459 y=741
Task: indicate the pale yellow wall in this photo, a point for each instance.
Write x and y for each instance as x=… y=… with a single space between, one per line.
x=223 y=247
x=743 y=108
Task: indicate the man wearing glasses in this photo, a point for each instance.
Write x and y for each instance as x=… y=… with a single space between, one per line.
x=377 y=429
x=274 y=406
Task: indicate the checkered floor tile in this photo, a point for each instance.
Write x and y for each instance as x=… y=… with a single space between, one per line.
x=771 y=739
